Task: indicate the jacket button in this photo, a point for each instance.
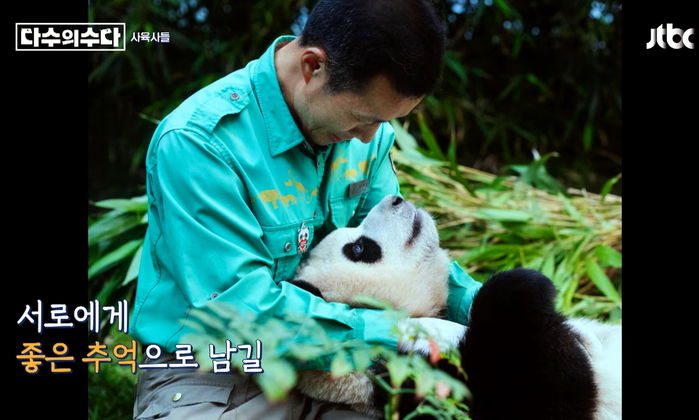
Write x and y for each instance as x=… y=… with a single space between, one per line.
x=177 y=397
x=235 y=96
x=287 y=247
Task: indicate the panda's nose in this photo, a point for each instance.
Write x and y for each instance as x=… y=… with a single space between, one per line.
x=396 y=201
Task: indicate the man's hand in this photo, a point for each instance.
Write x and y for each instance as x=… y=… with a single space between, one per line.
x=414 y=334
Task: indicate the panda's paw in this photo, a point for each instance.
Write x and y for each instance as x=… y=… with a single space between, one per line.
x=416 y=333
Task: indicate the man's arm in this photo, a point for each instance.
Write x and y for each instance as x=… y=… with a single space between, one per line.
x=211 y=243
x=383 y=182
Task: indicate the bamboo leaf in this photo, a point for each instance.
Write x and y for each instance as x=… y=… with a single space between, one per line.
x=132 y=273
x=608 y=187
x=110 y=225
x=136 y=204
x=114 y=257
x=208 y=319
x=569 y=288
x=340 y=366
x=362 y=358
x=398 y=369
x=502 y=215
x=429 y=139
x=277 y=380
x=596 y=274
x=608 y=256
x=456 y=66
x=587 y=137
x=572 y=211
x=549 y=266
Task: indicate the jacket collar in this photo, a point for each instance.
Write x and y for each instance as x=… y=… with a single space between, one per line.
x=282 y=131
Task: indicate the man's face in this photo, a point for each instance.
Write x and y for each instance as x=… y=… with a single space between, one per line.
x=331 y=118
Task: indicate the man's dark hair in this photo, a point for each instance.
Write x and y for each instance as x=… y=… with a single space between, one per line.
x=403 y=40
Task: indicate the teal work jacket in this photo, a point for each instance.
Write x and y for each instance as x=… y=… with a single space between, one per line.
x=231 y=183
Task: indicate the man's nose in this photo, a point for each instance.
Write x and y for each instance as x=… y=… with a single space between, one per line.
x=366 y=133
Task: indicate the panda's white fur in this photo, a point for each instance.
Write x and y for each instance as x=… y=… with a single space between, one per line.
x=603 y=344
x=411 y=273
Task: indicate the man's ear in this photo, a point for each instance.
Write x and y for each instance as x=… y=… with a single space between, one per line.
x=313 y=63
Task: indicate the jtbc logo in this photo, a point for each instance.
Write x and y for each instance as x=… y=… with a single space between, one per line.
x=656 y=35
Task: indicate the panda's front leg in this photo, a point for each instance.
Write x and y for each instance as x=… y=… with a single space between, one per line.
x=354 y=389
x=416 y=333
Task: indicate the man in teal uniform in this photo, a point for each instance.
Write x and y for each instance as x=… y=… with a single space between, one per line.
x=250 y=170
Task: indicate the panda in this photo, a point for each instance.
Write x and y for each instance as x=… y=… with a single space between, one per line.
x=522 y=358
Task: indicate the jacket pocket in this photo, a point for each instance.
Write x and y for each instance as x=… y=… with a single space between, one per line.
x=342 y=209
x=178 y=396
x=283 y=243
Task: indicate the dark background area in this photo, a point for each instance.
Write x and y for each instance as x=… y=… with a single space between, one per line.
x=43 y=203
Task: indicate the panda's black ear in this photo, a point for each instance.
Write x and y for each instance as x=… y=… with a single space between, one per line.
x=519 y=293
x=306 y=286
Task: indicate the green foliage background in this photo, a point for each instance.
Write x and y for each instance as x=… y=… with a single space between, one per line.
x=525 y=125
x=519 y=75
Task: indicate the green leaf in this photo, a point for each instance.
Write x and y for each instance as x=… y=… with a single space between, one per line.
x=398 y=369
x=549 y=266
x=518 y=45
x=608 y=187
x=504 y=7
x=519 y=169
x=429 y=139
x=149 y=118
x=373 y=302
x=108 y=289
x=514 y=83
x=413 y=158
x=532 y=231
x=208 y=319
x=277 y=379
x=306 y=351
x=405 y=140
x=424 y=381
x=502 y=215
x=456 y=66
x=493 y=252
x=567 y=292
x=587 y=137
x=537 y=175
x=572 y=211
x=110 y=225
x=340 y=366
x=409 y=152
x=362 y=358
x=136 y=204
x=608 y=256
x=132 y=274
x=114 y=257
x=561 y=275
x=534 y=80
x=596 y=274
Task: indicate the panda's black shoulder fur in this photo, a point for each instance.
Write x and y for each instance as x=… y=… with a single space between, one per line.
x=306 y=286
x=522 y=360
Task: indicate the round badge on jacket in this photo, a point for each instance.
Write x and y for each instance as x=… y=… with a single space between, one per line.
x=303 y=238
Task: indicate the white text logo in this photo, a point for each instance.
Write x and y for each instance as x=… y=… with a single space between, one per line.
x=70 y=36
x=674 y=37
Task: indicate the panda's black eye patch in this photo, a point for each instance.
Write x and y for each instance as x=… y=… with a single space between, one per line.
x=357 y=249
x=362 y=250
